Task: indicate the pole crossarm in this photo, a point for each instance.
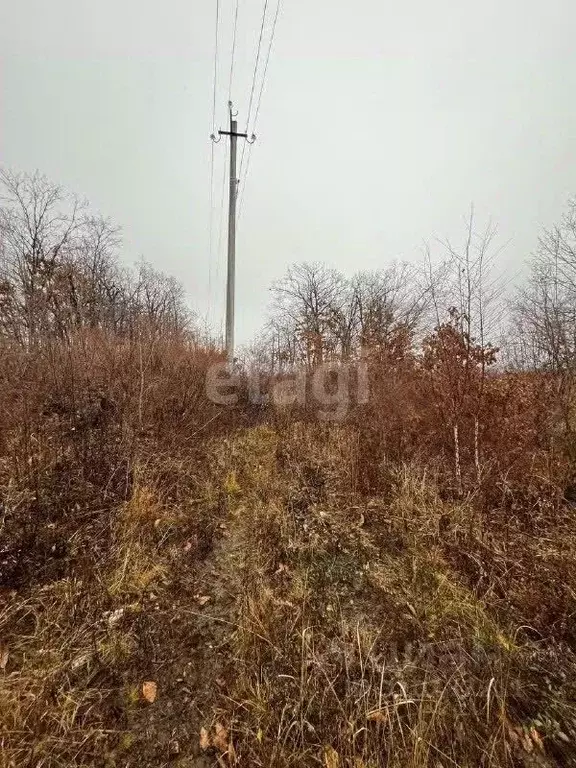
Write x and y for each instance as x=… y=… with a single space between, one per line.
x=230 y=133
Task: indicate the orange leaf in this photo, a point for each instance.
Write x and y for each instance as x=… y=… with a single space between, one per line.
x=378 y=716
x=220 y=740
x=149 y=691
x=204 y=739
x=537 y=739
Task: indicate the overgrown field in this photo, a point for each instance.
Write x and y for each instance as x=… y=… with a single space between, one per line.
x=190 y=585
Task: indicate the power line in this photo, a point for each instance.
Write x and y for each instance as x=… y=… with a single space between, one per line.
x=215 y=76
x=241 y=200
x=266 y=64
x=254 y=79
x=221 y=224
x=233 y=50
x=272 y=34
x=211 y=214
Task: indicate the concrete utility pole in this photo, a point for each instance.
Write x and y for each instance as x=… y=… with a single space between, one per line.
x=231 y=275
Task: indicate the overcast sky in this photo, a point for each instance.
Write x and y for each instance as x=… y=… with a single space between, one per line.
x=380 y=123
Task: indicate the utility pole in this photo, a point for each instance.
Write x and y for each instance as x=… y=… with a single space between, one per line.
x=231 y=272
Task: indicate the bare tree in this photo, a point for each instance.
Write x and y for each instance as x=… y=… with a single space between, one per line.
x=38 y=224
x=159 y=301
x=388 y=303
x=319 y=315
x=545 y=309
x=310 y=308
x=60 y=270
x=544 y=317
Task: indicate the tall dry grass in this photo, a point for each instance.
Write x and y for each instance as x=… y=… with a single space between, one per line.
x=299 y=592
x=372 y=632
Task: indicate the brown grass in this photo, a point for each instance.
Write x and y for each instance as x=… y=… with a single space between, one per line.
x=310 y=594
x=361 y=640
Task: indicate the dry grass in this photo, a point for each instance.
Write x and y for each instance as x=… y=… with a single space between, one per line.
x=71 y=643
x=357 y=642
x=310 y=594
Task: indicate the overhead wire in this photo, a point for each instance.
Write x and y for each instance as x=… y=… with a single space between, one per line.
x=211 y=230
x=270 y=44
x=233 y=50
x=211 y=214
x=253 y=87
x=215 y=75
x=219 y=257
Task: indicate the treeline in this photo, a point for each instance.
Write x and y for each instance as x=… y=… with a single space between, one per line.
x=317 y=314
x=60 y=271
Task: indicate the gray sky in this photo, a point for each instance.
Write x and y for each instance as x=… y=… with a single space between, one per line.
x=380 y=123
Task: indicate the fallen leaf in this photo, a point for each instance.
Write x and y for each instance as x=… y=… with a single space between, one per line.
x=3 y=656
x=220 y=740
x=331 y=757
x=149 y=691
x=204 y=739
x=202 y=599
x=377 y=716
x=537 y=739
